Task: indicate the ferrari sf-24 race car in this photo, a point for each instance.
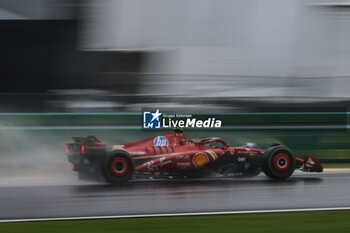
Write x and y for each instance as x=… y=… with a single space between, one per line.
x=172 y=156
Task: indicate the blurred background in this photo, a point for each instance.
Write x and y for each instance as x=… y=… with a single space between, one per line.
x=225 y=55
x=72 y=67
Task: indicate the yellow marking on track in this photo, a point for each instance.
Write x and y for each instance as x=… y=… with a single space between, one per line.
x=336 y=169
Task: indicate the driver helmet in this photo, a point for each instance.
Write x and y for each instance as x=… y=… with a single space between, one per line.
x=250 y=145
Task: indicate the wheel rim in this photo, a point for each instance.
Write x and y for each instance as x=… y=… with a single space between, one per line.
x=281 y=162
x=119 y=166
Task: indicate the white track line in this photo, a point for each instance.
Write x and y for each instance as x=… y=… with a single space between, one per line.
x=173 y=214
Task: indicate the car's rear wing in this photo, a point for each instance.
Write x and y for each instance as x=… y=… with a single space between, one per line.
x=84 y=145
x=85 y=140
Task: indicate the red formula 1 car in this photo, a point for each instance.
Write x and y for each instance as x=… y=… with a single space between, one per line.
x=172 y=156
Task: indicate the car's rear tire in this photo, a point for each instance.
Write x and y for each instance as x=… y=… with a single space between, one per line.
x=279 y=162
x=119 y=167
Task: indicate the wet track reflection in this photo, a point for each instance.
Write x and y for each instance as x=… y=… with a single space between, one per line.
x=148 y=197
x=182 y=187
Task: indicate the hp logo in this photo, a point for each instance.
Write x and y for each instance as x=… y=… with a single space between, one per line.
x=160 y=141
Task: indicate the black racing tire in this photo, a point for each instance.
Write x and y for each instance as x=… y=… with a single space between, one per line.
x=275 y=144
x=279 y=162
x=119 y=167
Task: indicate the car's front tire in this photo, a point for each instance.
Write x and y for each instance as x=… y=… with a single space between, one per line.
x=278 y=162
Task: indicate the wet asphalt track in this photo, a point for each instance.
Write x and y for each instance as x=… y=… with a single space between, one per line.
x=72 y=198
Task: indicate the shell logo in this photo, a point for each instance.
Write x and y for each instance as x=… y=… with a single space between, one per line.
x=200 y=159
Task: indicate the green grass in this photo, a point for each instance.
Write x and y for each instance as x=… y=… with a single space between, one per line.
x=323 y=221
